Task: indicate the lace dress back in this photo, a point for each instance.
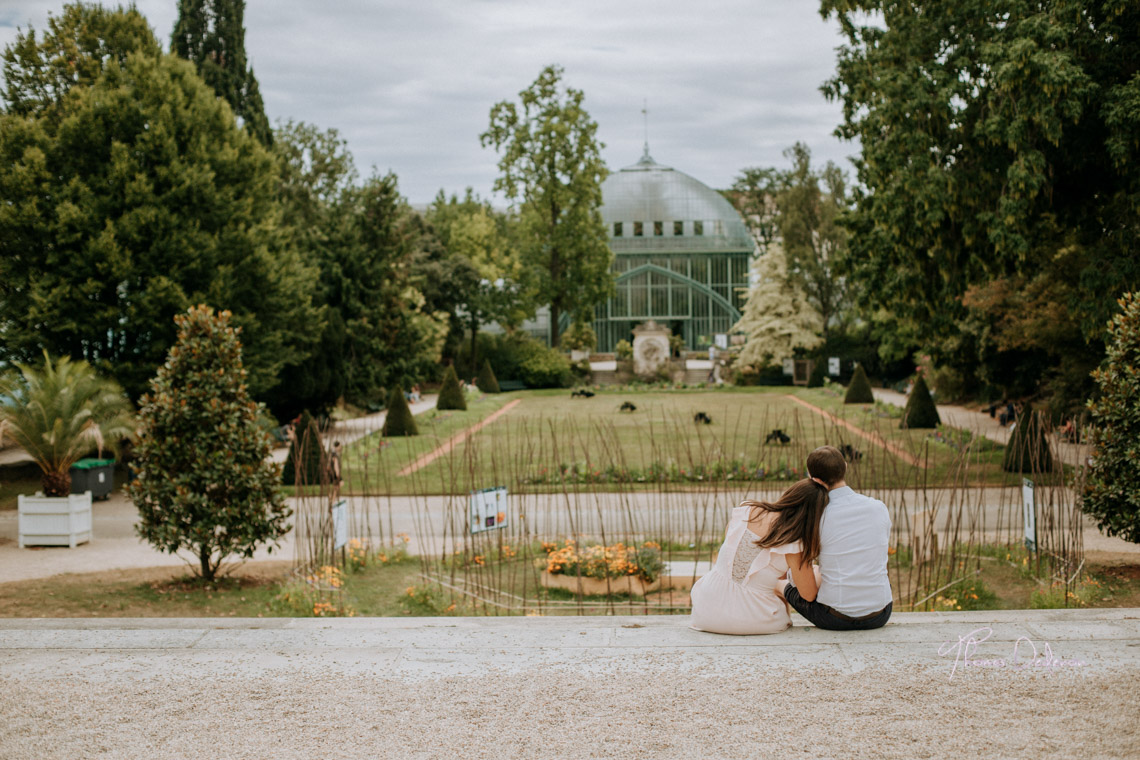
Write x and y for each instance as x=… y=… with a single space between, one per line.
x=746 y=552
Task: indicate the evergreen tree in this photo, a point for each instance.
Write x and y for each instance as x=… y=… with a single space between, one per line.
x=134 y=199
x=859 y=390
x=920 y=411
x=487 y=381
x=777 y=318
x=307 y=446
x=451 y=396
x=1113 y=492
x=1028 y=447
x=211 y=34
x=399 y=420
x=205 y=483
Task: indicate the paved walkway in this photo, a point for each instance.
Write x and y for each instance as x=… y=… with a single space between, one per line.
x=981 y=422
x=1046 y=683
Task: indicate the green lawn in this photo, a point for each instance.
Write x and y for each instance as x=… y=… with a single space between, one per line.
x=550 y=437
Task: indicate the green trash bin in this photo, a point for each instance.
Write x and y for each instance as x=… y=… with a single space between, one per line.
x=94 y=475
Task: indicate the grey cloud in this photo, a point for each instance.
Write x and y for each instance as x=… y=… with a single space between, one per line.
x=410 y=85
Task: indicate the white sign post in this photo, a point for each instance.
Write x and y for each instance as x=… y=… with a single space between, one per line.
x=833 y=366
x=339 y=512
x=488 y=509
x=1029 y=514
x=789 y=367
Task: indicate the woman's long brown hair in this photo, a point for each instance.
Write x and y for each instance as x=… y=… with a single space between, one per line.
x=798 y=512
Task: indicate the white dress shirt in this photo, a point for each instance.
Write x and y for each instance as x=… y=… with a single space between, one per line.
x=854 y=534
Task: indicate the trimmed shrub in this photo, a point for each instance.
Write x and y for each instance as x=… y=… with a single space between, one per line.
x=815 y=380
x=400 y=420
x=1028 y=448
x=1113 y=492
x=920 y=411
x=546 y=368
x=623 y=349
x=859 y=391
x=487 y=381
x=451 y=396
x=773 y=374
x=306 y=443
x=579 y=336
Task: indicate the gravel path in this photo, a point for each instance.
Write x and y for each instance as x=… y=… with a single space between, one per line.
x=569 y=688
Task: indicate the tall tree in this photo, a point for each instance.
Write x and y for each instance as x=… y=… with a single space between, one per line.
x=551 y=164
x=490 y=280
x=317 y=179
x=998 y=143
x=134 y=198
x=211 y=33
x=753 y=193
x=815 y=244
x=77 y=46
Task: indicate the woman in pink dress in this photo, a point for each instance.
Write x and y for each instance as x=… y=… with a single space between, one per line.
x=763 y=542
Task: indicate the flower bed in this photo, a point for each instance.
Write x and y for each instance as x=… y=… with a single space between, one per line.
x=598 y=569
x=583 y=472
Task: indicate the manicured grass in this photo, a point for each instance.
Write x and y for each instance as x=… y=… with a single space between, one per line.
x=550 y=437
x=253 y=591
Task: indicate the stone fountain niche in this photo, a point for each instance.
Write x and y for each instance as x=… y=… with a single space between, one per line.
x=650 y=348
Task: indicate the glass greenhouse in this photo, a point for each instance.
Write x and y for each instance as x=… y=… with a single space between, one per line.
x=682 y=256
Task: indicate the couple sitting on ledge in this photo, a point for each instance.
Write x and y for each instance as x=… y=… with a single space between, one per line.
x=765 y=563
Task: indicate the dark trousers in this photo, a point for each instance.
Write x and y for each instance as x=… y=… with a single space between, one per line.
x=822 y=616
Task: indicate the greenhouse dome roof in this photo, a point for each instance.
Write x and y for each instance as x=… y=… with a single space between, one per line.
x=650 y=208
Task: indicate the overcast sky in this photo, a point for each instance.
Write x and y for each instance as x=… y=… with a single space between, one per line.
x=410 y=84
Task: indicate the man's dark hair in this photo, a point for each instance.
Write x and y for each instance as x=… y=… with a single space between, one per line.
x=827 y=464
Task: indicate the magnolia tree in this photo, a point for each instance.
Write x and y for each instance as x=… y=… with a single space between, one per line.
x=204 y=480
x=1113 y=492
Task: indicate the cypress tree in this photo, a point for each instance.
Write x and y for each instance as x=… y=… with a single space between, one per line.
x=399 y=420
x=211 y=34
x=1028 y=449
x=920 y=411
x=451 y=395
x=816 y=378
x=859 y=391
x=487 y=381
x=306 y=444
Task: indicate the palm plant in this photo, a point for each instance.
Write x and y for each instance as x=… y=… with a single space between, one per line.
x=59 y=413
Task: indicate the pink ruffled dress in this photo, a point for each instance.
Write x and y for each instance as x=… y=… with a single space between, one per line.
x=738 y=595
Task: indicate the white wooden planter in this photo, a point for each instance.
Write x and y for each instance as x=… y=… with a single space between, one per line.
x=55 y=520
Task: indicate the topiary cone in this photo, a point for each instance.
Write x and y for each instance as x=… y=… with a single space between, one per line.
x=920 y=410
x=1028 y=449
x=451 y=396
x=399 y=420
x=859 y=390
x=486 y=381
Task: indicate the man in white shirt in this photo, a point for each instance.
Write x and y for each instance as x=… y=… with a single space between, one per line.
x=855 y=530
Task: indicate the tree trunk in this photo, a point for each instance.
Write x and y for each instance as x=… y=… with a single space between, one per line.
x=474 y=346
x=56 y=483
x=204 y=557
x=555 y=316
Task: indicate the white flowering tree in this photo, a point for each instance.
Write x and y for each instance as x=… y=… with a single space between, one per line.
x=778 y=317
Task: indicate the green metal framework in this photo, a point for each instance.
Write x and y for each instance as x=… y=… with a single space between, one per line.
x=694 y=294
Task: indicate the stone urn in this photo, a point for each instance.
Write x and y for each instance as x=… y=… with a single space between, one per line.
x=650 y=348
